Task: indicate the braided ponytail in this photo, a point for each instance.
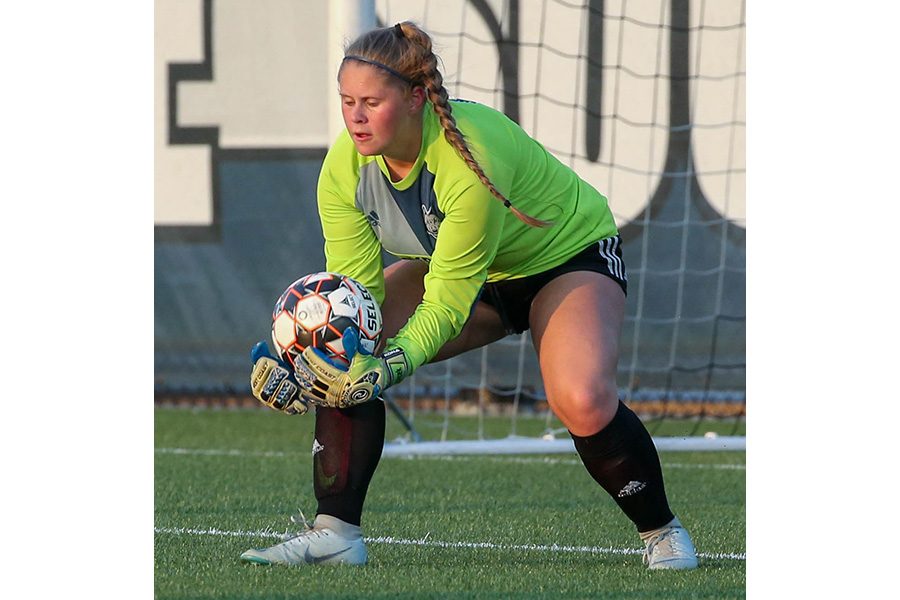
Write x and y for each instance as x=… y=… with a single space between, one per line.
x=405 y=51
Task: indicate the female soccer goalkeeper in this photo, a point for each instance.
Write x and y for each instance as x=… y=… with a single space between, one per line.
x=495 y=236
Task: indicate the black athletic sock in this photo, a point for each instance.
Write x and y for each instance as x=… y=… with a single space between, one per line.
x=346 y=451
x=621 y=457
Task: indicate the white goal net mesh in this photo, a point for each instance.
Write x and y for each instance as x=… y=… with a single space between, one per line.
x=645 y=100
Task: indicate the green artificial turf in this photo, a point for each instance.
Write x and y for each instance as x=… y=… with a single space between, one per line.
x=457 y=527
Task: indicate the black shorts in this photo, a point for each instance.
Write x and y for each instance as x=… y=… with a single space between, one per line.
x=512 y=298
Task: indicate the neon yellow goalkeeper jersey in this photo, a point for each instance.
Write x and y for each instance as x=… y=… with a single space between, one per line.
x=442 y=213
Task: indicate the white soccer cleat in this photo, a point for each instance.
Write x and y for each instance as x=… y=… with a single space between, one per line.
x=669 y=547
x=329 y=541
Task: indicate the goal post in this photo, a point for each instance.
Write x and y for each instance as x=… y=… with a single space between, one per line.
x=527 y=445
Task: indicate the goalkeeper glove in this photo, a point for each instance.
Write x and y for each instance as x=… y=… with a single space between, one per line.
x=273 y=384
x=367 y=377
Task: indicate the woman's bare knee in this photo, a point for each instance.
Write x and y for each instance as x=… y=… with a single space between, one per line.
x=585 y=410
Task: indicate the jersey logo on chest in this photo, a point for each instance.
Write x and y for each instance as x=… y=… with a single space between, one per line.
x=432 y=223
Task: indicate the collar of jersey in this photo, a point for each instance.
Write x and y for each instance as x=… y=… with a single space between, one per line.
x=410 y=177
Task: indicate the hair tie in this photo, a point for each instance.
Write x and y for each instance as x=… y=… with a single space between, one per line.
x=383 y=66
x=398 y=30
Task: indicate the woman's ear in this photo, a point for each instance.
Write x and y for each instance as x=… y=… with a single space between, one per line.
x=416 y=98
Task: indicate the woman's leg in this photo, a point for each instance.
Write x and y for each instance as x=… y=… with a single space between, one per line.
x=349 y=441
x=576 y=320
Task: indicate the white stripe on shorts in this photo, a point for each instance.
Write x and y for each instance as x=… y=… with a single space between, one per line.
x=608 y=248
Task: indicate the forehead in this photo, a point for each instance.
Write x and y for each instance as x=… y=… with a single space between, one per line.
x=357 y=77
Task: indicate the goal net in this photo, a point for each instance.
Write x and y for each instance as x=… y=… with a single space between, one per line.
x=645 y=100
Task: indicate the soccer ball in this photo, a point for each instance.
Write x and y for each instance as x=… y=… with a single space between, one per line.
x=316 y=309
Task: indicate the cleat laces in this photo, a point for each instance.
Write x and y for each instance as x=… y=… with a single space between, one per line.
x=306 y=528
x=667 y=542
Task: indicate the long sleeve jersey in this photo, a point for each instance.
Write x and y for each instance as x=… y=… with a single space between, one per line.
x=442 y=213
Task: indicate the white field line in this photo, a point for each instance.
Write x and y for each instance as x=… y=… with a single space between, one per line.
x=441 y=544
x=213 y=452
x=499 y=459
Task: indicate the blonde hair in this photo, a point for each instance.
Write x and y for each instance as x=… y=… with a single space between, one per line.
x=404 y=51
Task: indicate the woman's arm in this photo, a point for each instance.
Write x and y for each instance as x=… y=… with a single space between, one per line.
x=466 y=245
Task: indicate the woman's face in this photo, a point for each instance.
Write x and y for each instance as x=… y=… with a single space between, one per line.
x=380 y=116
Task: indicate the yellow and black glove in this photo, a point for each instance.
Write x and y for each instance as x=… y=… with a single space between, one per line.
x=325 y=384
x=273 y=384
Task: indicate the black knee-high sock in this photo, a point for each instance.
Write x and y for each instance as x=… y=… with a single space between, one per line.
x=346 y=451
x=621 y=457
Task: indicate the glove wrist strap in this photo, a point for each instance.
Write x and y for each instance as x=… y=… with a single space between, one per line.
x=397 y=364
